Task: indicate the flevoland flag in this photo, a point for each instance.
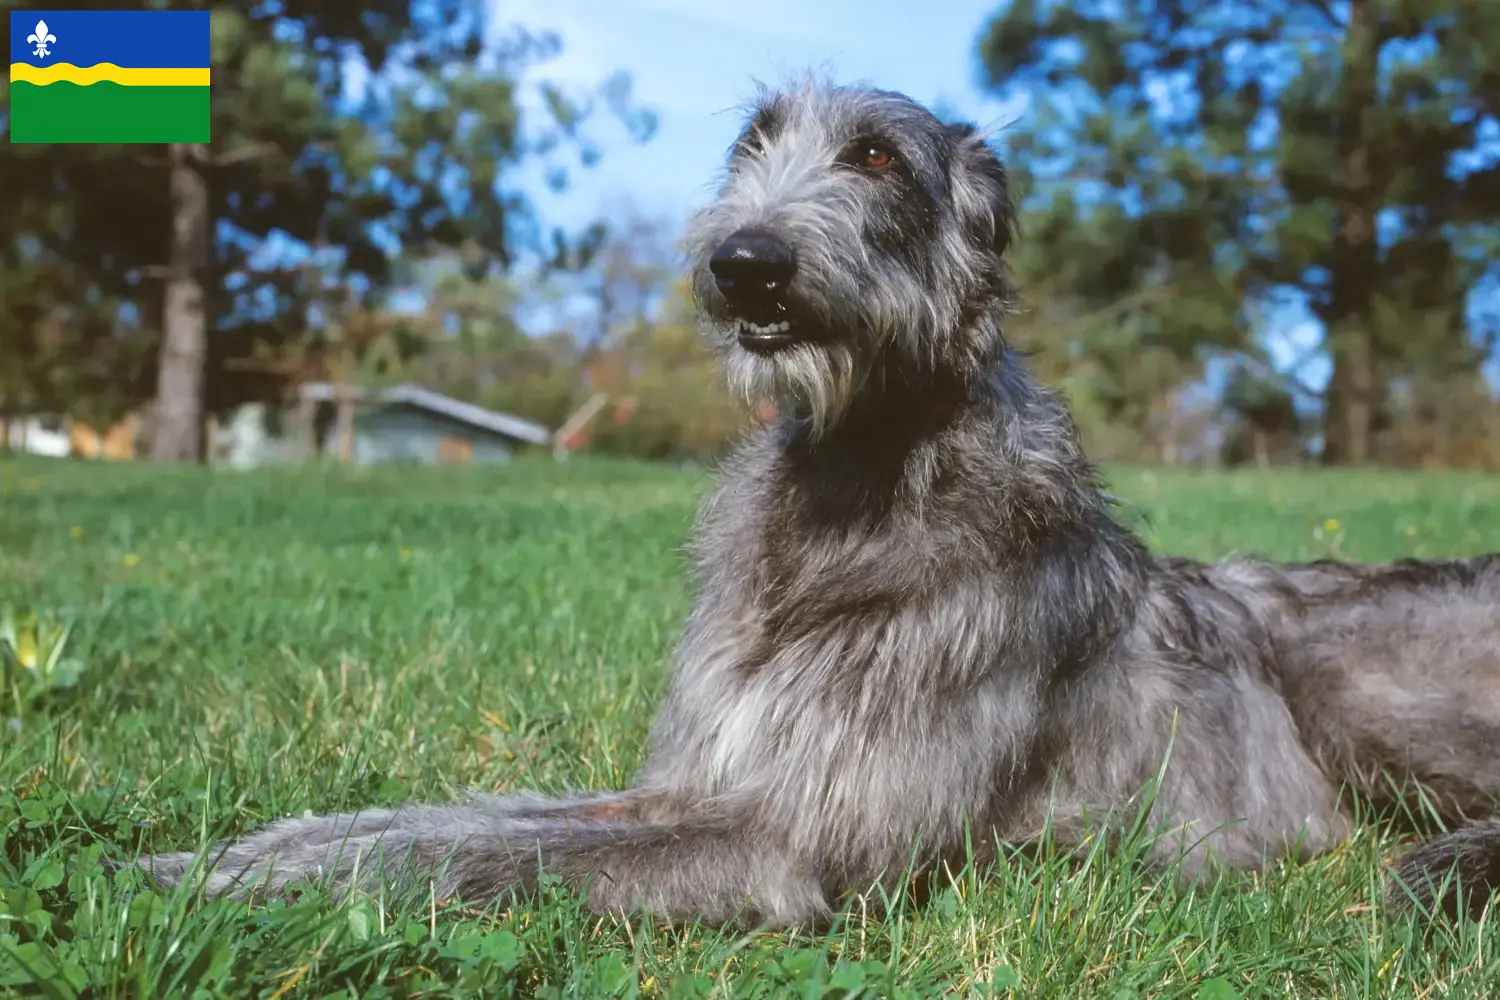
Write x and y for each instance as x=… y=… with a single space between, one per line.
x=109 y=76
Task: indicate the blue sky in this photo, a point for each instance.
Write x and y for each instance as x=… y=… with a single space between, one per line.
x=693 y=61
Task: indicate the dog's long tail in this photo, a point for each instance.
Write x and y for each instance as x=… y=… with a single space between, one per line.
x=1454 y=874
x=624 y=850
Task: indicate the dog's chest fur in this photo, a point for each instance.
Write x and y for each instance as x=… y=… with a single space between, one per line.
x=833 y=665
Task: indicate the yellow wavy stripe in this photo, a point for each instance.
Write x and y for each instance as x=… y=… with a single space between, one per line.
x=108 y=72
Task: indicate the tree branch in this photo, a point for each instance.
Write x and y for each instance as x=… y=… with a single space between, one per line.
x=1289 y=374
x=252 y=152
x=1323 y=8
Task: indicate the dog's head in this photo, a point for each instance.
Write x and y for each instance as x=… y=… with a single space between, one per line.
x=853 y=230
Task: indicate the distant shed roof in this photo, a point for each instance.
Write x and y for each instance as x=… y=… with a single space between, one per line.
x=504 y=424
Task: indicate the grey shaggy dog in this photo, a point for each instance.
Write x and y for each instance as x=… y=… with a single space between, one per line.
x=921 y=630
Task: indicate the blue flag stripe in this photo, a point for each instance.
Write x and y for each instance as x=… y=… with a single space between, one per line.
x=133 y=39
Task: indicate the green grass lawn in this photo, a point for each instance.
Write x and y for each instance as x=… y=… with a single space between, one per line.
x=256 y=645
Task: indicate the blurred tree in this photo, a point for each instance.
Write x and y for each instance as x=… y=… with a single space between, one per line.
x=473 y=338
x=1264 y=426
x=477 y=351
x=364 y=130
x=629 y=277
x=1187 y=160
x=1442 y=422
x=1109 y=357
x=668 y=400
x=63 y=348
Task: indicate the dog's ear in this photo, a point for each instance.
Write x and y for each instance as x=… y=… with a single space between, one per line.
x=981 y=189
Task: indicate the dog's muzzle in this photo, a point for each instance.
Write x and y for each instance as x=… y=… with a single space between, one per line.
x=753 y=270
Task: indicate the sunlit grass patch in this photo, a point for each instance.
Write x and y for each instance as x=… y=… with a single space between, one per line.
x=321 y=639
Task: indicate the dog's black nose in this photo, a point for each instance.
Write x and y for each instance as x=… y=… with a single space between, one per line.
x=751 y=265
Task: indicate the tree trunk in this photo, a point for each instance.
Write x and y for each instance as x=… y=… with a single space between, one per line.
x=344 y=396
x=345 y=434
x=177 y=432
x=1353 y=393
x=1262 y=449
x=1351 y=398
x=307 y=427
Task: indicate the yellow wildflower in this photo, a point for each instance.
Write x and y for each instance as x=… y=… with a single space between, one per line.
x=26 y=652
x=130 y=559
x=1332 y=524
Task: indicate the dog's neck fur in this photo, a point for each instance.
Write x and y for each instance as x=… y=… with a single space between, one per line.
x=988 y=457
x=909 y=426
x=901 y=402
x=858 y=468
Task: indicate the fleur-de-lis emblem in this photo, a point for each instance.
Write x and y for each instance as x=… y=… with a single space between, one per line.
x=41 y=38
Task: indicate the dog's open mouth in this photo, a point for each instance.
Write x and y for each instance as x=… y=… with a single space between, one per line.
x=766 y=338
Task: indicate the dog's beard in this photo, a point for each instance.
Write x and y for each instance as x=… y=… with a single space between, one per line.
x=809 y=382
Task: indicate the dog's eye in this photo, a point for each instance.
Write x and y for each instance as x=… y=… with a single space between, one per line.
x=869 y=155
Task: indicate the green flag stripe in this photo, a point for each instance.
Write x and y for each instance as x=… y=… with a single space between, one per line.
x=107 y=112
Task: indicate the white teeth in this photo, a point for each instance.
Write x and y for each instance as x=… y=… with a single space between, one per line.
x=781 y=327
